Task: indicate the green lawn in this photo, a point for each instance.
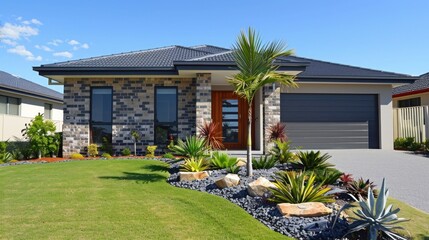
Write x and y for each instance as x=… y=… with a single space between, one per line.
x=115 y=199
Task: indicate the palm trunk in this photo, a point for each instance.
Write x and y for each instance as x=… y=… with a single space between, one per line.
x=249 y=141
x=135 y=148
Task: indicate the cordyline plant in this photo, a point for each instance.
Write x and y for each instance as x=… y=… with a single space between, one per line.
x=209 y=131
x=41 y=134
x=276 y=132
x=257 y=67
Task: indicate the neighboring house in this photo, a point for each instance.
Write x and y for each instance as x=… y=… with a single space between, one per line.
x=411 y=95
x=21 y=100
x=172 y=90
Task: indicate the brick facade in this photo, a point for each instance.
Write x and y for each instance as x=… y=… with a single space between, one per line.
x=133 y=108
x=203 y=98
x=271 y=98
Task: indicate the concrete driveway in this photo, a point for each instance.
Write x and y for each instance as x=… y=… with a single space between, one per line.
x=407 y=174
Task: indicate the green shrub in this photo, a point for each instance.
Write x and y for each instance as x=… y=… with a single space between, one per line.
x=192 y=147
x=4 y=155
x=360 y=187
x=168 y=155
x=374 y=216
x=151 y=151
x=293 y=187
x=76 y=156
x=93 y=150
x=41 y=134
x=264 y=162
x=409 y=144
x=222 y=160
x=311 y=160
x=327 y=176
x=106 y=155
x=195 y=165
x=106 y=145
x=233 y=169
x=126 y=152
x=282 y=152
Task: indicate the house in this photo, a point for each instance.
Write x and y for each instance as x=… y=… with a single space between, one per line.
x=411 y=95
x=21 y=100
x=171 y=90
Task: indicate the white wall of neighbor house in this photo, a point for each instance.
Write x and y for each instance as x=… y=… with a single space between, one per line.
x=424 y=98
x=384 y=91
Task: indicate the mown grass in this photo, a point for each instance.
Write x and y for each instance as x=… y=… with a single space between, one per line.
x=114 y=199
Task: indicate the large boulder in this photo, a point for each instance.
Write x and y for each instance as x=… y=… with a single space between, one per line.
x=229 y=180
x=308 y=209
x=259 y=187
x=191 y=176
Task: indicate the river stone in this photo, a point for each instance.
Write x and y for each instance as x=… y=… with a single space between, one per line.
x=308 y=209
x=191 y=176
x=230 y=180
x=260 y=186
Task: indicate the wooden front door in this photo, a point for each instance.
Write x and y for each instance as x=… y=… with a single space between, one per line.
x=230 y=113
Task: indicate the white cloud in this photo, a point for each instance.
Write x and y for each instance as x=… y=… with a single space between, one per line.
x=73 y=42
x=26 y=22
x=43 y=47
x=9 y=42
x=13 y=31
x=55 y=42
x=35 y=21
x=85 y=45
x=22 y=51
x=63 y=54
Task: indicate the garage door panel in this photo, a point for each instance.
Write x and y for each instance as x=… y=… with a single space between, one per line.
x=331 y=120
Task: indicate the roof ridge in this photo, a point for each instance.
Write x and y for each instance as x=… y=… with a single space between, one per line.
x=210 y=55
x=116 y=54
x=192 y=49
x=424 y=75
x=347 y=65
x=208 y=45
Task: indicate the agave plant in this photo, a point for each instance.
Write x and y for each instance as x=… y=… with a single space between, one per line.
x=222 y=160
x=374 y=216
x=327 y=176
x=311 y=160
x=209 y=132
x=281 y=151
x=296 y=187
x=361 y=187
x=264 y=162
x=276 y=132
x=192 y=147
x=195 y=164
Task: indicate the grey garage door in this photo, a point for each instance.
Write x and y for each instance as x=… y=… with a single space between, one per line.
x=331 y=121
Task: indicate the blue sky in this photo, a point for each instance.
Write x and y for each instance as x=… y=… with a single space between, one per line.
x=384 y=35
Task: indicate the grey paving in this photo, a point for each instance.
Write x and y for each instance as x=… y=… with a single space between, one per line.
x=407 y=174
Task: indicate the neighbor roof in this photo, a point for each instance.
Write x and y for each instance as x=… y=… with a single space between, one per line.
x=418 y=86
x=173 y=58
x=23 y=86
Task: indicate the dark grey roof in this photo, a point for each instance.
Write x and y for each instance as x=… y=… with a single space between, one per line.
x=420 y=84
x=20 y=85
x=210 y=48
x=168 y=58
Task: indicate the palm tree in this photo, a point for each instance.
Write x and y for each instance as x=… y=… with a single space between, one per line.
x=256 y=63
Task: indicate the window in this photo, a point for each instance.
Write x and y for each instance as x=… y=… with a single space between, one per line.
x=9 y=105
x=165 y=114
x=412 y=102
x=48 y=111
x=101 y=116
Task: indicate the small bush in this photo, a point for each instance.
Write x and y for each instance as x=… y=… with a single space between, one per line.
x=282 y=152
x=168 y=155
x=106 y=155
x=293 y=187
x=311 y=160
x=222 y=160
x=192 y=147
x=409 y=144
x=151 y=151
x=126 y=152
x=233 y=169
x=264 y=162
x=93 y=150
x=4 y=155
x=195 y=165
x=76 y=156
x=327 y=176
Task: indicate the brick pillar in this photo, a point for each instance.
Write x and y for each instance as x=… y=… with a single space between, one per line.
x=271 y=100
x=203 y=98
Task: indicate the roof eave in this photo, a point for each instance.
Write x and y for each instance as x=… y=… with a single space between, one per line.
x=358 y=79
x=31 y=94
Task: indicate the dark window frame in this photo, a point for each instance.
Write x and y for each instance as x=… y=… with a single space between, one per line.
x=90 y=113
x=155 y=122
x=19 y=100
x=410 y=102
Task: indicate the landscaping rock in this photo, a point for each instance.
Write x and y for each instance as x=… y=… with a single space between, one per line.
x=309 y=209
x=230 y=180
x=191 y=176
x=259 y=187
x=241 y=162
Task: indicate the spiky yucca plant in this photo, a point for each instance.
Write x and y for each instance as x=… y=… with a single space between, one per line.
x=295 y=187
x=222 y=160
x=264 y=162
x=193 y=164
x=192 y=147
x=209 y=131
x=374 y=216
x=311 y=160
x=281 y=151
x=276 y=132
